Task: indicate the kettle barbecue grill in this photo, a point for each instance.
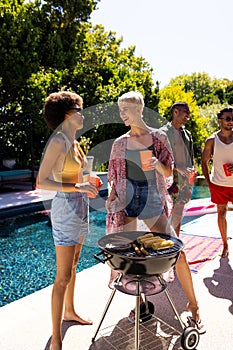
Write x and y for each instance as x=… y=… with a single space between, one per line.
x=141 y=273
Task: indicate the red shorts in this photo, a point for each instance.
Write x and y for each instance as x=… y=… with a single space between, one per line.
x=221 y=194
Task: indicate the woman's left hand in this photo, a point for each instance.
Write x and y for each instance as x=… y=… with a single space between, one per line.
x=152 y=163
x=189 y=172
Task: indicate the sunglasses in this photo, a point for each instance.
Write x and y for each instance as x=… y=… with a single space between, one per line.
x=77 y=109
x=228 y=119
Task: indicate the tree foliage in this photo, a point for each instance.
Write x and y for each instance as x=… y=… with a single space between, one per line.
x=49 y=45
x=205 y=96
x=36 y=35
x=206 y=90
x=229 y=94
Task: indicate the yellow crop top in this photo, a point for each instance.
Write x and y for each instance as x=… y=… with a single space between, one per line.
x=75 y=163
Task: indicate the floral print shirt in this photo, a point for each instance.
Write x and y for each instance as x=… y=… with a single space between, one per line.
x=116 y=201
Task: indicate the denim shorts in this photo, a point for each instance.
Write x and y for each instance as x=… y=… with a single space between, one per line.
x=69 y=217
x=142 y=199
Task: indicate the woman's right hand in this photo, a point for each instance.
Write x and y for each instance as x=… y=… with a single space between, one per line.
x=114 y=205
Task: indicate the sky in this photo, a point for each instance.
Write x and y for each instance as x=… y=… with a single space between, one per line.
x=175 y=37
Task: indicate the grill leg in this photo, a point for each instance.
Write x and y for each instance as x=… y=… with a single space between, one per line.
x=172 y=304
x=137 y=314
x=104 y=313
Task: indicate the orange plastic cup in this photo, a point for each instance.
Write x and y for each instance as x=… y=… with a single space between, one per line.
x=192 y=178
x=95 y=180
x=225 y=167
x=145 y=157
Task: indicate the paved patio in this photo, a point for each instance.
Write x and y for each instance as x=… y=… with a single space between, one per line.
x=25 y=324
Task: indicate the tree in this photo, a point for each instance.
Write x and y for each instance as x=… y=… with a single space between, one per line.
x=36 y=38
x=206 y=90
x=229 y=93
x=34 y=35
x=48 y=45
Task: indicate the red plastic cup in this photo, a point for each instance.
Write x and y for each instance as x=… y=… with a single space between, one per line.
x=225 y=167
x=192 y=178
x=145 y=157
x=95 y=180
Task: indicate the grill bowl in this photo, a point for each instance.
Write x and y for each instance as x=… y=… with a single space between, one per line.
x=128 y=262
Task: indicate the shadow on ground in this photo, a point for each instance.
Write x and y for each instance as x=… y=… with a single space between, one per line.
x=162 y=331
x=216 y=283
x=154 y=334
x=65 y=326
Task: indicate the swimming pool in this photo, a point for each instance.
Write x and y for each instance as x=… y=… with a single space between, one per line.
x=200 y=192
x=27 y=261
x=28 y=256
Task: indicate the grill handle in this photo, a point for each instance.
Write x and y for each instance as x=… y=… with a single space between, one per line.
x=96 y=256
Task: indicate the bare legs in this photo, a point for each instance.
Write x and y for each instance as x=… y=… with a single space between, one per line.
x=161 y=224
x=185 y=278
x=113 y=276
x=222 y=225
x=63 y=292
x=177 y=214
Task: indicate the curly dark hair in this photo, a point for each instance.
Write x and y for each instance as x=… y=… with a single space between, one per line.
x=57 y=105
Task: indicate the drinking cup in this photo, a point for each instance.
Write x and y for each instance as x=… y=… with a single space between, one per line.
x=192 y=178
x=89 y=168
x=145 y=157
x=95 y=180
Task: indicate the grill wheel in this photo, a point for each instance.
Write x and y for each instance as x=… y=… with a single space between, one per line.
x=190 y=339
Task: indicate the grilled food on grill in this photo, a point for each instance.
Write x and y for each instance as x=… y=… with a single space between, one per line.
x=155 y=242
x=144 y=251
x=149 y=242
x=141 y=239
x=166 y=243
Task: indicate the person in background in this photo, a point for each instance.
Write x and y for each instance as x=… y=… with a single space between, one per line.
x=184 y=171
x=61 y=170
x=219 y=149
x=137 y=194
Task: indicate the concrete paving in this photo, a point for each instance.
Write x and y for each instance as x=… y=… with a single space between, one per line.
x=26 y=324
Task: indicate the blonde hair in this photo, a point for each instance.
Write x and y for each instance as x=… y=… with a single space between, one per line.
x=132 y=97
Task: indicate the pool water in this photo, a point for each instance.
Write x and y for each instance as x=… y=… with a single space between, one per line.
x=28 y=256
x=27 y=261
x=200 y=192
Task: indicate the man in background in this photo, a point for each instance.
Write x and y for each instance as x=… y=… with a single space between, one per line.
x=184 y=172
x=219 y=149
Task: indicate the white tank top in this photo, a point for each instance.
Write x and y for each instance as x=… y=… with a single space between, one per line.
x=223 y=153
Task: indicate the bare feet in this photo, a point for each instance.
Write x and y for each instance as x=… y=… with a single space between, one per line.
x=225 y=252
x=198 y=325
x=76 y=318
x=194 y=309
x=195 y=320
